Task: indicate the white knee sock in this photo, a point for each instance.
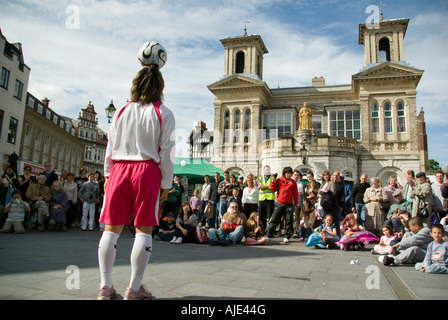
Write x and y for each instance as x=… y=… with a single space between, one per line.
x=106 y=256
x=141 y=252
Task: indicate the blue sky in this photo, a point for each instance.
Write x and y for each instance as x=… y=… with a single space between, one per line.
x=94 y=58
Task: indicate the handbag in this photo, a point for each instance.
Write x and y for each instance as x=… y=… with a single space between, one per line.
x=423 y=212
x=208 y=211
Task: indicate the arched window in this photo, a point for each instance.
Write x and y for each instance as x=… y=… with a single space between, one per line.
x=401 y=117
x=247 y=126
x=239 y=66
x=384 y=50
x=375 y=116
x=226 y=127
x=236 y=126
x=388 y=118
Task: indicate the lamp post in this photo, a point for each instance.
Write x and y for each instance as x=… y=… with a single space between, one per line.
x=110 y=110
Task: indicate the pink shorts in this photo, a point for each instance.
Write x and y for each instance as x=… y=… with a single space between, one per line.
x=133 y=189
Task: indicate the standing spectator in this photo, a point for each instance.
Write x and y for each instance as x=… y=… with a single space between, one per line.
x=89 y=194
x=100 y=182
x=391 y=187
x=63 y=176
x=49 y=174
x=223 y=196
x=250 y=196
x=436 y=188
x=357 y=199
x=310 y=198
x=266 y=197
x=374 y=198
x=178 y=180
x=196 y=203
x=205 y=198
x=337 y=187
x=58 y=206
x=297 y=177
x=24 y=181
x=71 y=189
x=422 y=195
x=80 y=180
x=347 y=196
x=287 y=199
x=410 y=184
x=214 y=201
x=170 y=203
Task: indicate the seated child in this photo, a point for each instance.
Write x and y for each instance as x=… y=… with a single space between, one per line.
x=355 y=237
x=328 y=232
x=384 y=247
x=305 y=228
x=15 y=209
x=166 y=227
x=436 y=259
x=253 y=235
x=229 y=225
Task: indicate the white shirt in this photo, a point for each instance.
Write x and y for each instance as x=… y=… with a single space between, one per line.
x=250 y=196
x=137 y=136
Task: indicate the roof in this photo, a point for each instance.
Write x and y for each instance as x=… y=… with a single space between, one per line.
x=194 y=169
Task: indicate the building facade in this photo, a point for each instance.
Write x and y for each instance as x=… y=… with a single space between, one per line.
x=370 y=126
x=48 y=136
x=94 y=139
x=13 y=87
x=200 y=142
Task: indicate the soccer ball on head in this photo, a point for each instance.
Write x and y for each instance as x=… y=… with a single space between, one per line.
x=152 y=53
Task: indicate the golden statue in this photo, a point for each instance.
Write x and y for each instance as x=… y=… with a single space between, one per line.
x=305 y=116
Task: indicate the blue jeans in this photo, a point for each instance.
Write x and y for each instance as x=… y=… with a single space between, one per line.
x=360 y=209
x=235 y=236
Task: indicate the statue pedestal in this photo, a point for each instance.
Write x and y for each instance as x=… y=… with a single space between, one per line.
x=304 y=137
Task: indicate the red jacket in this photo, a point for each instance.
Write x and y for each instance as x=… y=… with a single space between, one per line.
x=287 y=191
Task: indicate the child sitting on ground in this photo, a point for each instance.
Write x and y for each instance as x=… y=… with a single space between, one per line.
x=166 y=227
x=355 y=237
x=384 y=247
x=328 y=232
x=253 y=235
x=436 y=259
x=15 y=209
x=229 y=225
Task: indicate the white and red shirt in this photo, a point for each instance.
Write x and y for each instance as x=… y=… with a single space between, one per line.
x=140 y=133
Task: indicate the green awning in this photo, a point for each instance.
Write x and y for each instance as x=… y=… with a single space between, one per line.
x=195 y=169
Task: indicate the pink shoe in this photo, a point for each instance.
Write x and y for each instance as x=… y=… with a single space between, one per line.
x=141 y=294
x=106 y=293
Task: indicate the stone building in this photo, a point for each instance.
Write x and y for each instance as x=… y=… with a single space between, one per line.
x=371 y=125
x=47 y=136
x=13 y=87
x=94 y=139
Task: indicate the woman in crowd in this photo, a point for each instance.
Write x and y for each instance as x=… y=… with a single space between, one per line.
x=375 y=199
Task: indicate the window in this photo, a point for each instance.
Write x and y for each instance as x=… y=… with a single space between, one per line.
x=46 y=144
x=375 y=118
x=277 y=124
x=55 y=119
x=30 y=102
x=317 y=124
x=384 y=50
x=26 y=139
x=18 y=89
x=226 y=126
x=239 y=68
x=4 y=79
x=247 y=126
x=12 y=132
x=2 y=113
x=345 y=123
x=236 y=126
x=401 y=117
x=37 y=141
x=40 y=109
x=388 y=118
x=48 y=114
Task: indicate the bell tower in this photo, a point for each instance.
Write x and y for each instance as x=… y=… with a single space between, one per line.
x=383 y=41
x=244 y=55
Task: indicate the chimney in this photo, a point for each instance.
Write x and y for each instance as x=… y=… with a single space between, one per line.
x=318 y=82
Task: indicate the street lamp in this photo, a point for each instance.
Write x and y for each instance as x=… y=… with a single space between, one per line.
x=110 y=110
x=303 y=153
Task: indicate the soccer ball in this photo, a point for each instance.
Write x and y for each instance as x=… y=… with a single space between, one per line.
x=152 y=53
